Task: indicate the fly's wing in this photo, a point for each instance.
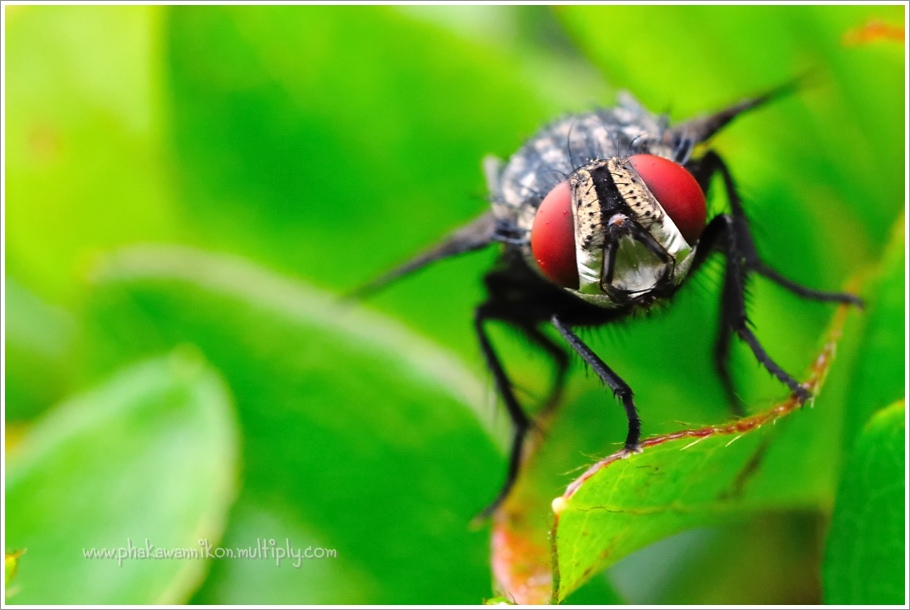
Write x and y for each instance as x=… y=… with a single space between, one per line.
x=700 y=129
x=473 y=236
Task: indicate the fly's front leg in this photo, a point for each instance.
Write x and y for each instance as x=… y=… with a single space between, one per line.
x=620 y=388
x=705 y=168
x=730 y=234
x=618 y=227
x=733 y=313
x=520 y=421
x=722 y=234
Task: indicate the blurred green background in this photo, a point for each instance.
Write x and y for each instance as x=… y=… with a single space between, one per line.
x=190 y=188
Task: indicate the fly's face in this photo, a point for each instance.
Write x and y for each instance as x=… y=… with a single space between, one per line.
x=620 y=230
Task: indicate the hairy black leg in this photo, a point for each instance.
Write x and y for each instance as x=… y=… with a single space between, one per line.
x=722 y=365
x=717 y=237
x=733 y=309
x=620 y=388
x=730 y=234
x=560 y=362
x=520 y=421
x=803 y=291
x=711 y=163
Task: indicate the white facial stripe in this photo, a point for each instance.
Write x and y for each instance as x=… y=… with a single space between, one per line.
x=644 y=206
x=589 y=231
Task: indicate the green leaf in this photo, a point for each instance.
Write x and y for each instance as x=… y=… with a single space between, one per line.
x=10 y=567
x=83 y=139
x=334 y=142
x=147 y=458
x=38 y=350
x=672 y=487
x=879 y=374
x=696 y=477
x=865 y=554
x=759 y=560
x=359 y=435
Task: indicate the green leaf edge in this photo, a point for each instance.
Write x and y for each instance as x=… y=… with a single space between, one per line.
x=818 y=372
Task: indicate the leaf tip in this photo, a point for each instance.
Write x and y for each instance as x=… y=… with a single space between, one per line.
x=558 y=504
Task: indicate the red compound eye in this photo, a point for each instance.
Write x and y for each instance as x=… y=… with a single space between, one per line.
x=676 y=190
x=553 y=237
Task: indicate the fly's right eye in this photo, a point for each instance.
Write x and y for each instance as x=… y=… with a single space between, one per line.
x=676 y=190
x=553 y=237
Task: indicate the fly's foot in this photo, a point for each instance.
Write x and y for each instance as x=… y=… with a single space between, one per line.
x=802 y=394
x=629 y=450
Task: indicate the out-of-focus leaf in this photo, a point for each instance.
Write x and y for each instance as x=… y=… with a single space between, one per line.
x=758 y=560
x=10 y=566
x=865 y=556
x=878 y=375
x=37 y=349
x=145 y=463
x=333 y=142
x=84 y=167
x=356 y=433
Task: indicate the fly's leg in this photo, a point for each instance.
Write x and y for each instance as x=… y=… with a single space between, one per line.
x=722 y=233
x=520 y=421
x=620 y=388
x=803 y=291
x=730 y=233
x=561 y=366
x=745 y=246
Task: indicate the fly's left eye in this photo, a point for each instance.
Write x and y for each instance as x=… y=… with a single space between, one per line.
x=676 y=190
x=553 y=237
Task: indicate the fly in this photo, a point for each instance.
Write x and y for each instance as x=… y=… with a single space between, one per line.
x=601 y=215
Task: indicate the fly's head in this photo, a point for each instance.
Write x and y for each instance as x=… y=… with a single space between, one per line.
x=620 y=231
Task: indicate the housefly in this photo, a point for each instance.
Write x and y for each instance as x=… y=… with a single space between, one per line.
x=601 y=215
